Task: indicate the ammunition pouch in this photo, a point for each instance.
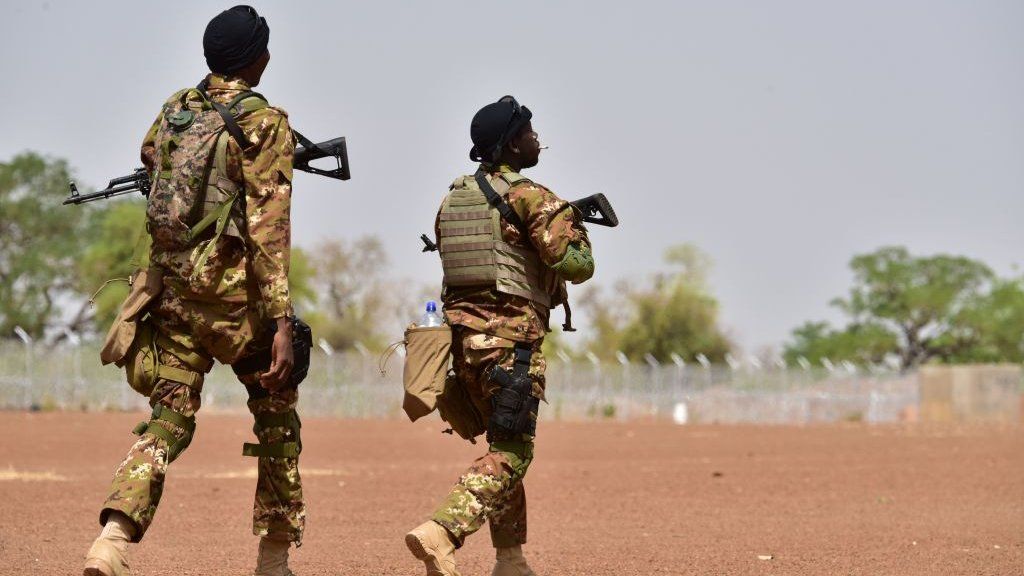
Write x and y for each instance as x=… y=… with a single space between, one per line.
x=158 y=426
x=514 y=407
x=265 y=421
x=457 y=409
x=260 y=359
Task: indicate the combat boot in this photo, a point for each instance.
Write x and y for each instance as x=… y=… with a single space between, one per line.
x=108 y=555
x=273 y=557
x=429 y=542
x=510 y=562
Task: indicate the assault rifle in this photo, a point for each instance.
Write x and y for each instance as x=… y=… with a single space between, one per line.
x=140 y=181
x=596 y=209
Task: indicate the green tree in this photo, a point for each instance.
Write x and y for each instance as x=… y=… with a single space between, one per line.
x=301 y=279
x=675 y=313
x=919 y=308
x=40 y=242
x=103 y=270
x=865 y=343
x=994 y=324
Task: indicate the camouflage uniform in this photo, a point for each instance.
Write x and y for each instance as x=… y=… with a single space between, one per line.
x=486 y=326
x=220 y=314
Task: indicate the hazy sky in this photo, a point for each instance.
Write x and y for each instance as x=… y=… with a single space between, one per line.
x=781 y=137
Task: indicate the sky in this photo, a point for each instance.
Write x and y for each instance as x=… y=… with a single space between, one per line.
x=780 y=137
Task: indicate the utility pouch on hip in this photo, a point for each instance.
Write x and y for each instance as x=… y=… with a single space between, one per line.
x=426 y=367
x=514 y=407
x=145 y=288
x=143 y=367
x=457 y=409
x=260 y=359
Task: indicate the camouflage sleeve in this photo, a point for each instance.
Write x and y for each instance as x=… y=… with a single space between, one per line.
x=550 y=221
x=148 y=153
x=267 y=170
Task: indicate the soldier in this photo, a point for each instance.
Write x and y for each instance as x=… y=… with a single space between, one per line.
x=218 y=215
x=507 y=246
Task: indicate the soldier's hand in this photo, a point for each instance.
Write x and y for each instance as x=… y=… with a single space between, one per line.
x=282 y=358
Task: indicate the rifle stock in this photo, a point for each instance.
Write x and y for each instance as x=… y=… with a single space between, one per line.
x=596 y=209
x=335 y=148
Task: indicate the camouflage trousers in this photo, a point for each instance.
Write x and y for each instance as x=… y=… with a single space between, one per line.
x=139 y=480
x=491 y=489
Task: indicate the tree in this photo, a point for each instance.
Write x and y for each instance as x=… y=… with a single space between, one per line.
x=995 y=325
x=118 y=235
x=815 y=341
x=40 y=242
x=674 y=314
x=352 y=293
x=943 y=308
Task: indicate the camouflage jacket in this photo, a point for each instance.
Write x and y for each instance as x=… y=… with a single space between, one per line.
x=265 y=169
x=553 y=226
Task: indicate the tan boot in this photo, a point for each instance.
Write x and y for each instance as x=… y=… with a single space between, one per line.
x=108 y=555
x=511 y=563
x=273 y=557
x=430 y=543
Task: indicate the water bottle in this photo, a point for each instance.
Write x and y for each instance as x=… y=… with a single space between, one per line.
x=430 y=317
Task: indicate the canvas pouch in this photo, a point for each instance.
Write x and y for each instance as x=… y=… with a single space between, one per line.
x=426 y=367
x=146 y=287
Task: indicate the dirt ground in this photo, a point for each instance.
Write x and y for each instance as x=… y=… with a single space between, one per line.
x=615 y=498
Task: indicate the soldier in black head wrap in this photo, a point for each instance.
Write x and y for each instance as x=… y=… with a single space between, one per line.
x=193 y=317
x=235 y=43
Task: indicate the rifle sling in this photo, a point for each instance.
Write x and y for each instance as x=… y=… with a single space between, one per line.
x=499 y=204
x=307 y=143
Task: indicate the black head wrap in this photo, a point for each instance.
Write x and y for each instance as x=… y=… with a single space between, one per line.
x=234 y=39
x=493 y=125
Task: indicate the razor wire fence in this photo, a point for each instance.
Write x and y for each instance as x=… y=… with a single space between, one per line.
x=350 y=385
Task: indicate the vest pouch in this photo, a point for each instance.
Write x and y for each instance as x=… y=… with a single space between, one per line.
x=426 y=367
x=147 y=286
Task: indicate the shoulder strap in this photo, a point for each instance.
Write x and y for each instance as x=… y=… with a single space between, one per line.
x=229 y=121
x=499 y=204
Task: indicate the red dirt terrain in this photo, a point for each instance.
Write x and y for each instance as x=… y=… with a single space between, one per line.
x=622 y=499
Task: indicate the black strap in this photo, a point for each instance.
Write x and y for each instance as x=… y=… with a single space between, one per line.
x=567 y=326
x=307 y=143
x=521 y=364
x=499 y=204
x=229 y=121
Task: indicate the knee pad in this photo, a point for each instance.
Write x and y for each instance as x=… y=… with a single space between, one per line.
x=157 y=425
x=289 y=420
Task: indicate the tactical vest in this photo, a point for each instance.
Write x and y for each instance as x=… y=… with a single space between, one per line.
x=473 y=252
x=191 y=188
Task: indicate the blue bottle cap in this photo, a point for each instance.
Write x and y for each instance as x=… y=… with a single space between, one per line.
x=431 y=307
